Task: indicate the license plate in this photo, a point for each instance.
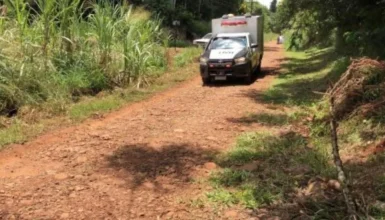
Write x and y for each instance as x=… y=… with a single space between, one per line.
x=220 y=78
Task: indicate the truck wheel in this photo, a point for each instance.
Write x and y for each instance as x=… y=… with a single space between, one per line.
x=249 y=77
x=258 y=70
x=206 y=80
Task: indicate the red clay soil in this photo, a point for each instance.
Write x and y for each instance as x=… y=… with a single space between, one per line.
x=137 y=163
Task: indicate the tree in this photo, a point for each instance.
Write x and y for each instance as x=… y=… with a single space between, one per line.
x=353 y=26
x=193 y=14
x=256 y=8
x=273 y=6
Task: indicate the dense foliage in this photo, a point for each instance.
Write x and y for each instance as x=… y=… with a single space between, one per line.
x=201 y=9
x=54 y=55
x=273 y=6
x=356 y=26
x=257 y=8
x=195 y=15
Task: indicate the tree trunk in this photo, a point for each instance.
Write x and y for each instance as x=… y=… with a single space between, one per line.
x=340 y=44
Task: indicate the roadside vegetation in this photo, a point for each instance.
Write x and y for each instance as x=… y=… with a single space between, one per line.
x=33 y=120
x=58 y=60
x=264 y=169
x=353 y=27
x=195 y=16
x=56 y=57
x=79 y=59
x=291 y=173
x=62 y=63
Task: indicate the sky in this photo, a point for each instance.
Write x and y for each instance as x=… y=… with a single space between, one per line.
x=265 y=2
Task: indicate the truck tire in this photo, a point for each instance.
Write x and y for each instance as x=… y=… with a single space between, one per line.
x=206 y=80
x=258 y=70
x=249 y=78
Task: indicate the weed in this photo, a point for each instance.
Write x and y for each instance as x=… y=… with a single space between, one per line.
x=229 y=177
x=248 y=196
x=258 y=195
x=284 y=161
x=12 y=134
x=325 y=209
x=85 y=109
x=296 y=116
x=318 y=161
x=380 y=183
x=239 y=156
x=253 y=146
x=187 y=56
x=267 y=119
x=18 y=132
x=319 y=128
x=271 y=119
x=222 y=196
x=377 y=159
x=197 y=203
x=377 y=213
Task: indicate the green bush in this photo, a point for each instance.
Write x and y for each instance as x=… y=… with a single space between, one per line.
x=200 y=28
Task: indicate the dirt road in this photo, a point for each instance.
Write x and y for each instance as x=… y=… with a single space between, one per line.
x=141 y=162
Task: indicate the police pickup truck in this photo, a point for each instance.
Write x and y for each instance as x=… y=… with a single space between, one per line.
x=235 y=50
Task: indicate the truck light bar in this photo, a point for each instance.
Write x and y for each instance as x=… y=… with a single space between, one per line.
x=233 y=23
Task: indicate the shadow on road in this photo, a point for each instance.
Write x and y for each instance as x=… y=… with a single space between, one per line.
x=262 y=118
x=172 y=164
x=230 y=83
x=240 y=82
x=271 y=49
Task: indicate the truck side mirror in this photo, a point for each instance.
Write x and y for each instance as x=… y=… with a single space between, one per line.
x=254 y=46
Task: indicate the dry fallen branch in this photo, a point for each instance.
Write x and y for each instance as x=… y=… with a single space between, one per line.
x=364 y=76
x=349 y=201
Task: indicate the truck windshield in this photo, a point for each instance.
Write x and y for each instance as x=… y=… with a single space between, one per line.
x=229 y=43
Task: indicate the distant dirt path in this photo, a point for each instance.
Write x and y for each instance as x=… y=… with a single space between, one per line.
x=136 y=163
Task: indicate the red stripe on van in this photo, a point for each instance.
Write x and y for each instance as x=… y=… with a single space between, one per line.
x=233 y=23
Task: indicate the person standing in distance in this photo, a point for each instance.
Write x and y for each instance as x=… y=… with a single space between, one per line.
x=280 y=39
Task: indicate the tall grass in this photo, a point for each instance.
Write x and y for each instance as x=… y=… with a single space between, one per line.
x=103 y=29
x=142 y=51
x=53 y=54
x=187 y=56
